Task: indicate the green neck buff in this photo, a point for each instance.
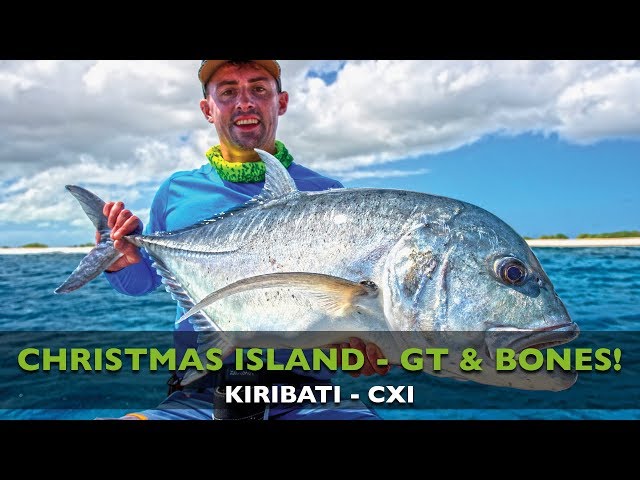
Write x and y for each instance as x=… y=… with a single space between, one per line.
x=248 y=172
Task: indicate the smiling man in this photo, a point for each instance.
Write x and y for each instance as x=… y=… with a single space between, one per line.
x=243 y=99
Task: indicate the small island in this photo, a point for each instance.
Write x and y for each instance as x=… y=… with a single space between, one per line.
x=624 y=238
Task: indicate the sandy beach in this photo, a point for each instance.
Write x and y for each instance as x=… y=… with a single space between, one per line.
x=586 y=242
x=570 y=242
x=27 y=251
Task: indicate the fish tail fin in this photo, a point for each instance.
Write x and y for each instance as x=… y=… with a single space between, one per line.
x=103 y=254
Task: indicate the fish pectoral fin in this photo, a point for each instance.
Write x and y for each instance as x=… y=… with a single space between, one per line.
x=337 y=295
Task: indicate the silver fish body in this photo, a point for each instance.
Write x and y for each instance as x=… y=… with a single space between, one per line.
x=404 y=269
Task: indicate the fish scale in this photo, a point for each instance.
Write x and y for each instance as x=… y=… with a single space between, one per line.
x=401 y=268
x=250 y=251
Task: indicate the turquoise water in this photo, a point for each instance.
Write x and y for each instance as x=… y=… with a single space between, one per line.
x=599 y=286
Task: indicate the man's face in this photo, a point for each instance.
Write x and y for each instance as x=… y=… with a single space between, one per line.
x=244 y=106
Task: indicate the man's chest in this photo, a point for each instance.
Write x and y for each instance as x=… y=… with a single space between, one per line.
x=184 y=212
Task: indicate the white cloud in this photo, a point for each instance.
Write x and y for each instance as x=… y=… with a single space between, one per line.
x=380 y=111
x=602 y=106
x=123 y=126
x=18 y=77
x=150 y=78
x=359 y=174
x=43 y=197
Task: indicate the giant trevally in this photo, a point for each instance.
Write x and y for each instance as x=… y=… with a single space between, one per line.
x=371 y=261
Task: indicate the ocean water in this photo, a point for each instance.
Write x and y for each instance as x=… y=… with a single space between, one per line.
x=599 y=286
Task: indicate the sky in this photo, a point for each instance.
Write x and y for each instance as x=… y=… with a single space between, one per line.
x=548 y=146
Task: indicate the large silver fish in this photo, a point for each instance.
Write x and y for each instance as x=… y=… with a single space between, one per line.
x=372 y=261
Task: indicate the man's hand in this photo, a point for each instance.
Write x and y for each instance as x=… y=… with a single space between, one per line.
x=121 y=222
x=371 y=353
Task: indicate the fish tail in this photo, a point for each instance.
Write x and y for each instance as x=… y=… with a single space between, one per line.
x=103 y=254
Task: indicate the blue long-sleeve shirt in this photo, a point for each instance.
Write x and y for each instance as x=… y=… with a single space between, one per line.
x=188 y=197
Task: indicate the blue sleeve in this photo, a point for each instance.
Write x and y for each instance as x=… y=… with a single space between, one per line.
x=141 y=278
x=137 y=279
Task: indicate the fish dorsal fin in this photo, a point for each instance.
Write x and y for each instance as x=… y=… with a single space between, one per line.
x=277 y=181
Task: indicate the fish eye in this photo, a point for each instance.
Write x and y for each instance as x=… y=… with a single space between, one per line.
x=511 y=271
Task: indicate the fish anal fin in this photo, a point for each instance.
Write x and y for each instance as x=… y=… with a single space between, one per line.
x=207 y=340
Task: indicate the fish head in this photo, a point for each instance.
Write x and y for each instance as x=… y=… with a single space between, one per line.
x=470 y=281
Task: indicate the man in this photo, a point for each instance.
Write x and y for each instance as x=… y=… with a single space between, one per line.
x=243 y=100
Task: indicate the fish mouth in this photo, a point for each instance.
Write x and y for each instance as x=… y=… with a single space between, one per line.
x=519 y=339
